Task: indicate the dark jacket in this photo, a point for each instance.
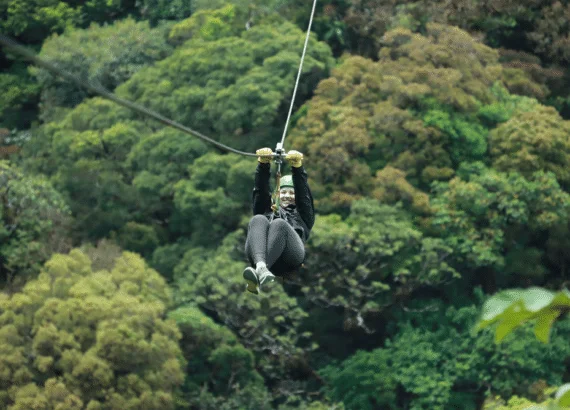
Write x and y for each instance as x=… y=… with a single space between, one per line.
x=300 y=216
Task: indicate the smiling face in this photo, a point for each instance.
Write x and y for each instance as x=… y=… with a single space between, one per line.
x=287 y=196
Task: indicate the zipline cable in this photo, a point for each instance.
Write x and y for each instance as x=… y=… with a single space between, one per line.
x=299 y=73
x=14 y=46
x=19 y=49
x=279 y=150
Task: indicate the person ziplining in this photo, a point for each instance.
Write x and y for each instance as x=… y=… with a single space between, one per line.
x=277 y=233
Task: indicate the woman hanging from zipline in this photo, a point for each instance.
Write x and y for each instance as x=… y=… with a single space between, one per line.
x=276 y=236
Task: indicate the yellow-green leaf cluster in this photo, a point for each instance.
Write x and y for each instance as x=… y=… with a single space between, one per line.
x=78 y=338
x=533 y=141
x=411 y=110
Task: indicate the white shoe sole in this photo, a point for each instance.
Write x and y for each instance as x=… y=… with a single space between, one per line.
x=252 y=280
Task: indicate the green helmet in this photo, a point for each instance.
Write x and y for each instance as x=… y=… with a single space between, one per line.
x=286 y=181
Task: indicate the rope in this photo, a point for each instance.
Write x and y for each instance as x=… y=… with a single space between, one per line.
x=6 y=41
x=299 y=73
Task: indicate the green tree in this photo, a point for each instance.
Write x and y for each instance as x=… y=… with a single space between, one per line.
x=17 y=104
x=518 y=403
x=136 y=237
x=208 y=25
x=97 y=339
x=103 y=11
x=495 y=222
x=529 y=34
x=220 y=372
x=551 y=33
x=36 y=19
x=235 y=88
x=31 y=22
x=158 y=162
x=533 y=141
x=364 y=264
x=535 y=24
x=391 y=187
x=156 y=10
x=268 y=325
x=85 y=156
x=433 y=361
x=327 y=20
x=512 y=309
x=34 y=223
x=367 y=21
x=211 y=202
x=104 y=55
x=87 y=152
x=421 y=108
x=372 y=374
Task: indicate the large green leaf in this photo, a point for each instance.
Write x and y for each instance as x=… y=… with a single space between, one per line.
x=511 y=308
x=513 y=317
x=536 y=299
x=563 y=395
x=496 y=306
x=544 y=324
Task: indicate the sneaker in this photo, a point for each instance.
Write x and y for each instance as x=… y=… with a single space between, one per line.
x=264 y=275
x=252 y=281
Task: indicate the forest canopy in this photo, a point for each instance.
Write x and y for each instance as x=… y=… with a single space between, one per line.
x=435 y=140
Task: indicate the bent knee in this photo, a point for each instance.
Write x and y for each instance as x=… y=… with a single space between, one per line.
x=258 y=219
x=279 y=222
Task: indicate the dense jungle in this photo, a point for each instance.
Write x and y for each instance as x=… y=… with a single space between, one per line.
x=436 y=139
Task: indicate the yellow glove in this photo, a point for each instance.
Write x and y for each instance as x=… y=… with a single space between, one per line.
x=295 y=158
x=264 y=151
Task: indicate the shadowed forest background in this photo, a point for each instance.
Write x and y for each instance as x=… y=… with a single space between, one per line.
x=436 y=140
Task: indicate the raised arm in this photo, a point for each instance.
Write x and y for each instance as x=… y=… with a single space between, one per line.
x=261 y=196
x=303 y=196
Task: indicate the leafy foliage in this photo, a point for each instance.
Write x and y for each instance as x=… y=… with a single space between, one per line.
x=96 y=339
x=371 y=372
x=103 y=55
x=422 y=108
x=156 y=10
x=35 y=223
x=32 y=22
x=368 y=262
x=218 y=189
x=18 y=92
x=220 y=371
x=512 y=308
x=484 y=215
x=533 y=141
x=434 y=356
x=535 y=24
x=109 y=163
x=207 y=25
x=434 y=164
x=267 y=325
x=94 y=146
x=36 y=19
x=233 y=87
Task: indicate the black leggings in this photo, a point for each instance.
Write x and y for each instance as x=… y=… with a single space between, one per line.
x=276 y=243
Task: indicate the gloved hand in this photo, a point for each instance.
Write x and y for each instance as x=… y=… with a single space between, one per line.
x=295 y=158
x=264 y=151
